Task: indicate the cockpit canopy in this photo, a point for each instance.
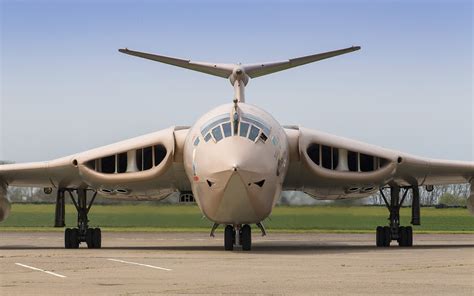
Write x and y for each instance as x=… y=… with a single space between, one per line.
x=244 y=125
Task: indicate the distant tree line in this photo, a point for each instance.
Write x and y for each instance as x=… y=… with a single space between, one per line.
x=445 y=194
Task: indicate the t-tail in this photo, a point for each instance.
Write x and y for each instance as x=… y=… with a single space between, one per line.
x=239 y=75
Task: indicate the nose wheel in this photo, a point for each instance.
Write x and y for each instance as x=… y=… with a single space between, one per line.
x=246 y=237
x=229 y=238
x=240 y=235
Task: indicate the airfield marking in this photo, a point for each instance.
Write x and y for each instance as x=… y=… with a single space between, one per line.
x=140 y=264
x=42 y=270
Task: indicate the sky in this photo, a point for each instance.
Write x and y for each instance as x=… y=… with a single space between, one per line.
x=65 y=88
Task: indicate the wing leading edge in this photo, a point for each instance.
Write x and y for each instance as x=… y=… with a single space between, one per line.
x=325 y=165
x=120 y=168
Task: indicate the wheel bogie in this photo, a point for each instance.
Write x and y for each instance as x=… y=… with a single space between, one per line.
x=384 y=236
x=73 y=238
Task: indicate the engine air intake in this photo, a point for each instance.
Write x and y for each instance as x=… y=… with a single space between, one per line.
x=339 y=159
x=137 y=160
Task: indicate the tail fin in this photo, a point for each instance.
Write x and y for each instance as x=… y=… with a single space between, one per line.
x=252 y=70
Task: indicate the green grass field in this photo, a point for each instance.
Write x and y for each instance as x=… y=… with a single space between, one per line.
x=189 y=218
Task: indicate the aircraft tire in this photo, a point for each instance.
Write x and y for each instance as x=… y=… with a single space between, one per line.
x=89 y=238
x=402 y=236
x=379 y=236
x=409 y=231
x=74 y=238
x=229 y=238
x=96 y=238
x=67 y=238
x=246 y=237
x=387 y=236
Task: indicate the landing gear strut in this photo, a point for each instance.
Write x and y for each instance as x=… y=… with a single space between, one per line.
x=240 y=235
x=74 y=236
x=402 y=234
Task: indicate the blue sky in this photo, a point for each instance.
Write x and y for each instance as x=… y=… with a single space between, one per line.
x=66 y=89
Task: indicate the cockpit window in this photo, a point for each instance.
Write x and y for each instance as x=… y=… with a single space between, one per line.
x=227 y=129
x=244 y=129
x=213 y=122
x=217 y=133
x=221 y=127
x=257 y=122
x=254 y=131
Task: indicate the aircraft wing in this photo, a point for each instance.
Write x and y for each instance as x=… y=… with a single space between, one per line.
x=147 y=166
x=330 y=167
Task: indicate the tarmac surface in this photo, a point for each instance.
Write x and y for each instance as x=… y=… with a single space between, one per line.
x=192 y=263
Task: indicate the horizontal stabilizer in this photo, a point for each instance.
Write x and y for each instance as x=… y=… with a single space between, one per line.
x=251 y=70
x=258 y=70
x=221 y=70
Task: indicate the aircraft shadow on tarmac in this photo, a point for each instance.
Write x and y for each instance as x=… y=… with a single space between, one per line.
x=260 y=248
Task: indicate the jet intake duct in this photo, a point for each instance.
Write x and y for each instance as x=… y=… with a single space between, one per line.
x=360 y=174
x=4 y=203
x=139 y=168
x=338 y=168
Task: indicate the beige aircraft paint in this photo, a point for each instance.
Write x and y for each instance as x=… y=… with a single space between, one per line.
x=236 y=158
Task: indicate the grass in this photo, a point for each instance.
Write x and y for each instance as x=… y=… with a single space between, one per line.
x=38 y=217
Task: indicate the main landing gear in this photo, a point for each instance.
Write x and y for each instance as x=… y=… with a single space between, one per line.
x=239 y=235
x=402 y=234
x=74 y=236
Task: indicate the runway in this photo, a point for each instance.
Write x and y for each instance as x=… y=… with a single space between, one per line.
x=193 y=263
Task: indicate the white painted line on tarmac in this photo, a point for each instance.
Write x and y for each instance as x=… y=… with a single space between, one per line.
x=39 y=269
x=140 y=264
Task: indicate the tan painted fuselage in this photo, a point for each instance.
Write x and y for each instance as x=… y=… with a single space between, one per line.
x=236 y=179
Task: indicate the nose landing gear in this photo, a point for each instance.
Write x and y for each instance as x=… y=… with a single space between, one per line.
x=239 y=235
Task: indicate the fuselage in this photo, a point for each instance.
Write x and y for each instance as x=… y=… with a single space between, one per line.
x=236 y=158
